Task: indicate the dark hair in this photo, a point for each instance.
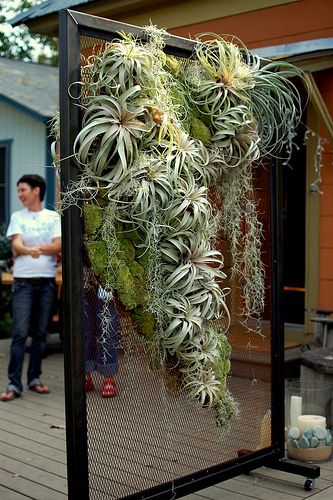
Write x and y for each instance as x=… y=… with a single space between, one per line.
x=34 y=181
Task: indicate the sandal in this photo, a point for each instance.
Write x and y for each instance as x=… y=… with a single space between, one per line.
x=89 y=383
x=109 y=388
x=9 y=395
x=39 y=388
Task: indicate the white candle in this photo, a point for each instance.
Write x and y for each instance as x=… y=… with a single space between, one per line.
x=295 y=410
x=310 y=421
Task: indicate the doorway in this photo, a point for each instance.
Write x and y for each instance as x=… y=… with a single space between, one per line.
x=294 y=210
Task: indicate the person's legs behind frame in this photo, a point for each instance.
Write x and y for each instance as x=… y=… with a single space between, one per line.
x=107 y=341
x=22 y=305
x=45 y=297
x=90 y=335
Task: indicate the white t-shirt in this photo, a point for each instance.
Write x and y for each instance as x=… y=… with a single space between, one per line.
x=36 y=228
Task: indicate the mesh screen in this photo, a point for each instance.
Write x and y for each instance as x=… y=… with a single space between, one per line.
x=145 y=435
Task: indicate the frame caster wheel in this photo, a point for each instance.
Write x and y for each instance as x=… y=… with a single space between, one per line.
x=309 y=484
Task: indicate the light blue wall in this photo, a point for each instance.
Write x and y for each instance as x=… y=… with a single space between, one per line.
x=28 y=147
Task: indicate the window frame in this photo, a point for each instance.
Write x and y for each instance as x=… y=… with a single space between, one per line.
x=6 y=145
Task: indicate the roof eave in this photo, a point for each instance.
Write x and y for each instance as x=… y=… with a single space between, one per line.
x=48 y=25
x=312 y=62
x=25 y=109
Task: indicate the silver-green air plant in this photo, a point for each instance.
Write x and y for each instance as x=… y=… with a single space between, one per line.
x=158 y=136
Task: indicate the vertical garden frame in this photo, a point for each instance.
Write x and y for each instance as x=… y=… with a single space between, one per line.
x=73 y=26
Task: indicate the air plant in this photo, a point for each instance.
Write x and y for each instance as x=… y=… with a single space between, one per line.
x=111 y=128
x=158 y=136
x=123 y=65
x=219 y=77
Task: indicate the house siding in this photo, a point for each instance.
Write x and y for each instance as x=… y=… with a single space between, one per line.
x=27 y=154
x=292 y=22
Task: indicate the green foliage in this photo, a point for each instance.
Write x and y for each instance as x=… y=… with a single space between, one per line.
x=6 y=324
x=5 y=244
x=118 y=267
x=125 y=285
x=18 y=43
x=97 y=255
x=127 y=250
x=136 y=270
x=200 y=131
x=225 y=410
x=92 y=217
x=145 y=322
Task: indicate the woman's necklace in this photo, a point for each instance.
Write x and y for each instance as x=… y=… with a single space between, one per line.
x=34 y=214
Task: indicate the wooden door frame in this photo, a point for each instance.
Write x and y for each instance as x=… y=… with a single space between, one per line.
x=312 y=226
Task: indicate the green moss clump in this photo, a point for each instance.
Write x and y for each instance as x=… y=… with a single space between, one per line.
x=145 y=322
x=200 y=131
x=127 y=250
x=130 y=290
x=132 y=235
x=97 y=255
x=143 y=258
x=225 y=347
x=225 y=410
x=92 y=219
x=137 y=271
x=223 y=368
x=206 y=119
x=125 y=286
x=221 y=373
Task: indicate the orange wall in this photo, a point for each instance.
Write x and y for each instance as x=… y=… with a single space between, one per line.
x=300 y=20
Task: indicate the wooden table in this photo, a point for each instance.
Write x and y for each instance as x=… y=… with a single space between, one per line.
x=7 y=277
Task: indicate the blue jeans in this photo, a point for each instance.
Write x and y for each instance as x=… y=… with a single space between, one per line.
x=32 y=301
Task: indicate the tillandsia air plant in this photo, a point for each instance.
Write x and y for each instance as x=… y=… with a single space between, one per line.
x=159 y=136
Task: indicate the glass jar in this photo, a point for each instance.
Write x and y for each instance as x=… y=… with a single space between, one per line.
x=308 y=421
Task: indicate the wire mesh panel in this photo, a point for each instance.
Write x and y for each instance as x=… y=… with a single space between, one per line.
x=144 y=437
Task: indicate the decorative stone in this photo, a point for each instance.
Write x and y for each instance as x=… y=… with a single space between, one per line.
x=328 y=438
x=319 y=432
x=304 y=443
x=294 y=433
x=314 y=442
x=308 y=433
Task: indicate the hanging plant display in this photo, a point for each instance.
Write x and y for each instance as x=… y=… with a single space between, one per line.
x=159 y=136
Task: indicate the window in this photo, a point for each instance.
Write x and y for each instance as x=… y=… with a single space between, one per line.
x=4 y=181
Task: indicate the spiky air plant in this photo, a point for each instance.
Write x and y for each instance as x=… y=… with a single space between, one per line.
x=186 y=157
x=158 y=137
x=236 y=136
x=190 y=206
x=111 y=129
x=124 y=64
x=147 y=184
x=219 y=77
